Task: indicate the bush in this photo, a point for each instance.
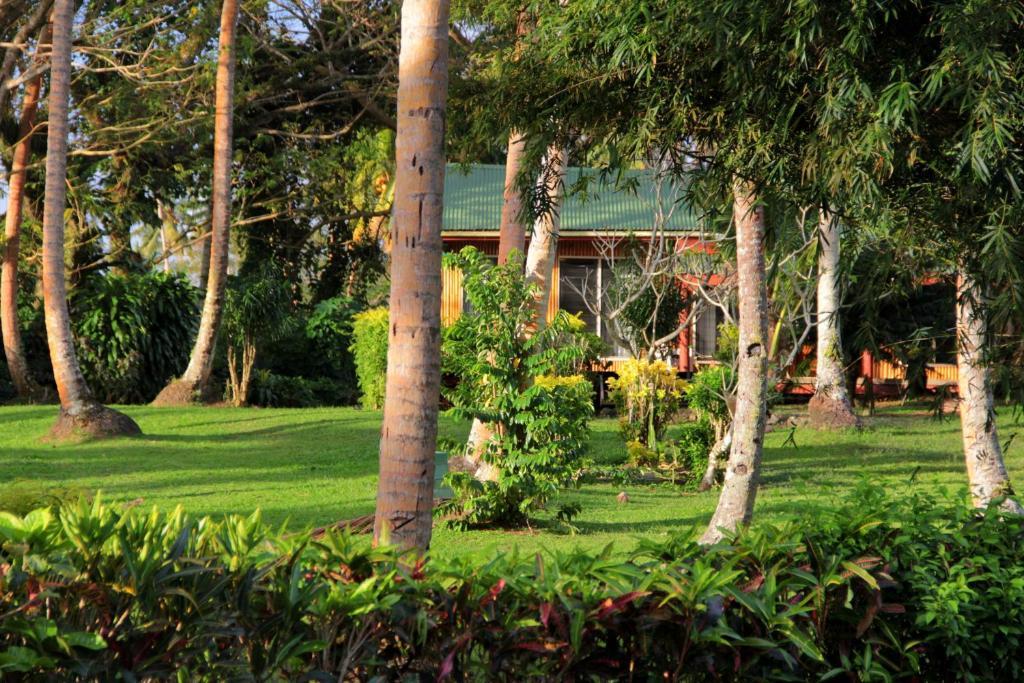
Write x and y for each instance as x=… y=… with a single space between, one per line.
x=257 y=309
x=133 y=333
x=707 y=392
x=647 y=396
x=370 y=350
x=694 y=442
x=21 y=497
x=507 y=374
x=875 y=589
x=315 y=346
x=271 y=390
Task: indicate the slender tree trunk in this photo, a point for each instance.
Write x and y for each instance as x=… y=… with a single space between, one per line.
x=204 y=262
x=986 y=471
x=540 y=258
x=81 y=415
x=743 y=470
x=512 y=232
x=409 y=434
x=194 y=384
x=233 y=381
x=723 y=442
x=14 y=350
x=830 y=406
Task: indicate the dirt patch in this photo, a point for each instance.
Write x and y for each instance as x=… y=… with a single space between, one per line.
x=93 y=421
x=177 y=394
x=828 y=413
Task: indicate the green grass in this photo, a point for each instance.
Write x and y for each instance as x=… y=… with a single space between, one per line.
x=313 y=467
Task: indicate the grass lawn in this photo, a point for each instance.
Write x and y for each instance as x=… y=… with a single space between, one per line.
x=316 y=466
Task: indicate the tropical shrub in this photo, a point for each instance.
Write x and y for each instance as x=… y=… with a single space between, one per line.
x=647 y=395
x=271 y=390
x=587 y=347
x=694 y=441
x=133 y=333
x=876 y=588
x=507 y=371
x=329 y=327
x=370 y=351
x=257 y=308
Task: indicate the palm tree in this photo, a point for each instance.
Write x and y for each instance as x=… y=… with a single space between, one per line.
x=14 y=350
x=81 y=415
x=742 y=473
x=409 y=434
x=194 y=384
x=830 y=407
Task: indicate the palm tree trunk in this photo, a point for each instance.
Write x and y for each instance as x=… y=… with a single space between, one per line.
x=14 y=350
x=830 y=406
x=204 y=262
x=81 y=415
x=540 y=258
x=409 y=434
x=742 y=474
x=986 y=471
x=194 y=384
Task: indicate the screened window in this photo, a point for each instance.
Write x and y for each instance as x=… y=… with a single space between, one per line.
x=578 y=284
x=579 y=281
x=707 y=332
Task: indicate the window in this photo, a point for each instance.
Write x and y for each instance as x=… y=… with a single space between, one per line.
x=579 y=280
x=576 y=278
x=707 y=332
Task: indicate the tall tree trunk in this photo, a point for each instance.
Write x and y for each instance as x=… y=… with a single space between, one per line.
x=14 y=350
x=986 y=471
x=743 y=470
x=81 y=415
x=204 y=262
x=405 y=491
x=511 y=236
x=540 y=258
x=512 y=232
x=830 y=406
x=194 y=384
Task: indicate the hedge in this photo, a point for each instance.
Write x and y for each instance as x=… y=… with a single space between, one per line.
x=878 y=588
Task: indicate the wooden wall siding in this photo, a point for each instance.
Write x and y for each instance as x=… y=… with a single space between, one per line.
x=935 y=373
x=942 y=373
x=451 y=280
x=451 y=295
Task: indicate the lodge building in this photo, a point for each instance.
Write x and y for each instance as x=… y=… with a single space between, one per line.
x=472 y=215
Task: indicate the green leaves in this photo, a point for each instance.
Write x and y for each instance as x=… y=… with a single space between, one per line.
x=134 y=332
x=515 y=376
x=881 y=587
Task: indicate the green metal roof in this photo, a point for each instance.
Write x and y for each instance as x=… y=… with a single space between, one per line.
x=472 y=202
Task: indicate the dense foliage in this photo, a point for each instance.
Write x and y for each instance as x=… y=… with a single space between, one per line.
x=370 y=352
x=133 y=332
x=512 y=375
x=877 y=589
x=707 y=395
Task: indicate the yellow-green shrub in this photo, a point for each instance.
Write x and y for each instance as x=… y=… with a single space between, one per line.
x=370 y=351
x=647 y=395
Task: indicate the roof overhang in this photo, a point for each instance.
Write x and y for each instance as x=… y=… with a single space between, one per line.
x=568 y=234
